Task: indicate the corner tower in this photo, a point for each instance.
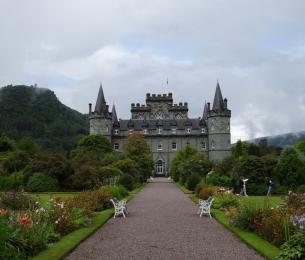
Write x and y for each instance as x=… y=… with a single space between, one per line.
x=100 y=119
x=218 y=119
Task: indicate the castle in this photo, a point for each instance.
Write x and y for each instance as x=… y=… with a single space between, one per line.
x=167 y=127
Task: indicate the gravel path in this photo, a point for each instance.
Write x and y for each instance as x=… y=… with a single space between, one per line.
x=162 y=224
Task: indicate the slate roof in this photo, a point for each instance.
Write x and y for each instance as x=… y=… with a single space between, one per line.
x=166 y=124
x=218 y=104
x=100 y=106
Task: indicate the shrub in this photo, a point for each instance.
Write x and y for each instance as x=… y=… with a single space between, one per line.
x=41 y=182
x=90 y=201
x=205 y=192
x=117 y=191
x=301 y=189
x=108 y=172
x=193 y=181
x=271 y=224
x=61 y=216
x=16 y=201
x=246 y=217
x=226 y=201
x=127 y=181
x=85 y=177
x=13 y=181
x=257 y=189
x=294 y=249
x=219 y=180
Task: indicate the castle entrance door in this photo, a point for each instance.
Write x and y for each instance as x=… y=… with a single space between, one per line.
x=160 y=167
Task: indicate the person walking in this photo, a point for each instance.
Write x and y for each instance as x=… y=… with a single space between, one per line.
x=270 y=187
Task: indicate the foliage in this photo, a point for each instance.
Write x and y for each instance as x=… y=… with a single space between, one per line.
x=189 y=161
x=204 y=192
x=257 y=189
x=137 y=149
x=14 y=181
x=85 y=177
x=6 y=144
x=41 y=182
x=301 y=189
x=294 y=249
x=290 y=168
x=16 y=161
x=246 y=217
x=127 y=166
x=55 y=166
x=119 y=192
x=225 y=166
x=91 y=149
x=216 y=179
x=226 y=201
x=38 y=114
x=16 y=201
x=127 y=181
x=192 y=181
x=271 y=224
x=108 y=172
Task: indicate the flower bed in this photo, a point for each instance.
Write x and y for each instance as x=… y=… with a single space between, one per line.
x=32 y=227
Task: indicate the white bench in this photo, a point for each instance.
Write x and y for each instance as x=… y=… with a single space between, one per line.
x=120 y=207
x=204 y=206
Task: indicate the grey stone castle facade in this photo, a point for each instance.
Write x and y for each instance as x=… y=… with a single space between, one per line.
x=167 y=127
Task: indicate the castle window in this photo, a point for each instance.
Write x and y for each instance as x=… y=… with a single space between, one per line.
x=174 y=131
x=202 y=130
x=229 y=143
x=130 y=131
x=144 y=131
x=159 y=115
x=174 y=146
x=212 y=125
x=203 y=145
x=178 y=116
x=213 y=144
x=159 y=131
x=116 y=131
x=159 y=147
x=228 y=126
x=188 y=130
x=116 y=146
x=187 y=143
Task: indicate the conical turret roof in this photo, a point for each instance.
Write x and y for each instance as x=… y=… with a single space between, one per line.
x=218 y=104
x=100 y=106
x=114 y=115
x=205 y=111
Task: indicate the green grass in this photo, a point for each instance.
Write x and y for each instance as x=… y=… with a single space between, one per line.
x=44 y=198
x=272 y=201
x=61 y=248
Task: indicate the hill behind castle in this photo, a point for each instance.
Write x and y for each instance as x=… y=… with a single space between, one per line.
x=37 y=113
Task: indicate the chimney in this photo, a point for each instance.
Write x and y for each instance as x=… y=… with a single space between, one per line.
x=225 y=103
x=209 y=106
x=90 y=108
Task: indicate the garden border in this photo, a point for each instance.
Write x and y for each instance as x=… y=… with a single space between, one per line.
x=69 y=242
x=260 y=245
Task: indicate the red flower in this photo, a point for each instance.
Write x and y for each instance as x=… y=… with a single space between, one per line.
x=24 y=221
x=3 y=212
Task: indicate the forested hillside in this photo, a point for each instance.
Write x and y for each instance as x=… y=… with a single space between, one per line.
x=283 y=139
x=37 y=113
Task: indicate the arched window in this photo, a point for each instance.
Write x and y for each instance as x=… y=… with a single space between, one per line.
x=213 y=144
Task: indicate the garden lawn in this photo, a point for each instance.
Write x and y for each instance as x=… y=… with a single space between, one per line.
x=43 y=198
x=272 y=201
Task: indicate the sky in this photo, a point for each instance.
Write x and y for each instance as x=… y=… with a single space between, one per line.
x=254 y=48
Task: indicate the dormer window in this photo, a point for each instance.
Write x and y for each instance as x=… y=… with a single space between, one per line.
x=174 y=131
x=202 y=130
x=144 y=131
x=188 y=130
x=159 y=131
x=116 y=131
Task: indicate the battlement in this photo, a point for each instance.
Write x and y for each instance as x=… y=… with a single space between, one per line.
x=179 y=107
x=139 y=107
x=159 y=97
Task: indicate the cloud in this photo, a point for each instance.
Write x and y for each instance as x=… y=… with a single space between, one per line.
x=254 y=48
